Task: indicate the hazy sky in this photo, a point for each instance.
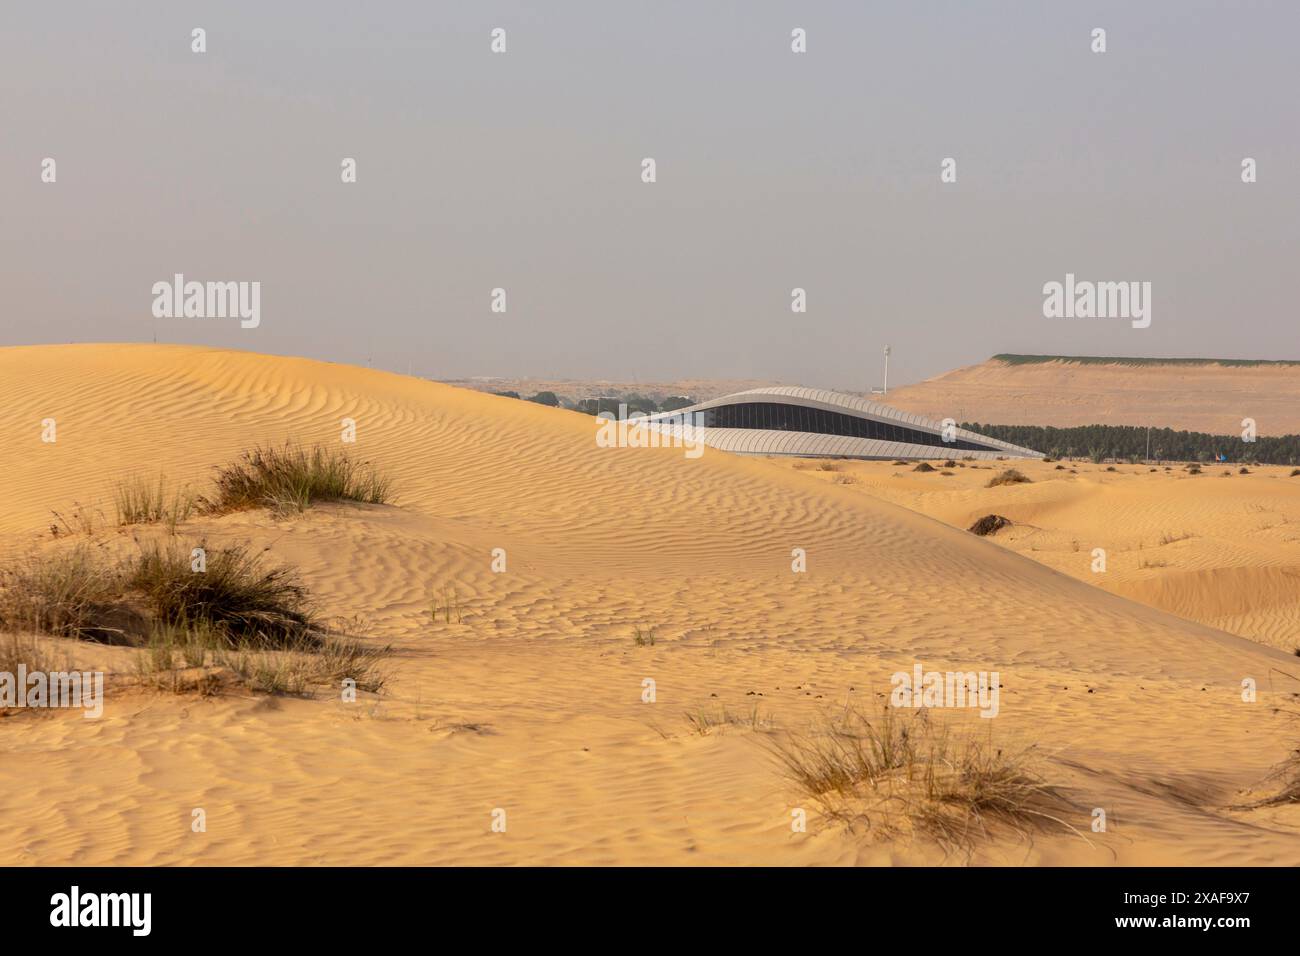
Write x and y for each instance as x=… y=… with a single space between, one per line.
x=775 y=170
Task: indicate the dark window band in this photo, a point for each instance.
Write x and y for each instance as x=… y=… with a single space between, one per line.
x=798 y=418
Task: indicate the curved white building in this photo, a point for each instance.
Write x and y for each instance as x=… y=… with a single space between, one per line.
x=815 y=422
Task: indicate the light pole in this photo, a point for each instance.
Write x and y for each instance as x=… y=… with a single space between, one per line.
x=884 y=392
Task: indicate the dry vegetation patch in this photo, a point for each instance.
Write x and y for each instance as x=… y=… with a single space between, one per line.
x=289 y=478
x=199 y=622
x=905 y=773
x=989 y=524
x=1009 y=477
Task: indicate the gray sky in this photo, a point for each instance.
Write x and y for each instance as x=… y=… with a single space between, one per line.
x=775 y=170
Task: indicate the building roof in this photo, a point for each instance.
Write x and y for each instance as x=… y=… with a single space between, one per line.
x=758 y=441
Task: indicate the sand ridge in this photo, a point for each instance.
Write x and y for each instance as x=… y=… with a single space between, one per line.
x=1204 y=398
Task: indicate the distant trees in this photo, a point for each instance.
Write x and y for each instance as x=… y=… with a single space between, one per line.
x=635 y=402
x=674 y=402
x=1121 y=442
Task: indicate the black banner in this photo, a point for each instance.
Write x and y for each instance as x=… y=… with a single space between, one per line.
x=952 y=907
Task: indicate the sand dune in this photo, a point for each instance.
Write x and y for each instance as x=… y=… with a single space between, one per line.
x=1206 y=398
x=1219 y=548
x=532 y=703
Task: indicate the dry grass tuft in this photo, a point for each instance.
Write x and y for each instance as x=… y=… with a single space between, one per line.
x=901 y=774
x=199 y=659
x=139 y=501
x=1009 y=477
x=236 y=597
x=28 y=651
x=1286 y=781
x=234 y=621
x=705 y=720
x=449 y=607
x=290 y=479
x=72 y=593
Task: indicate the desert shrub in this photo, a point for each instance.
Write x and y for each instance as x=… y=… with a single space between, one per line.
x=200 y=659
x=140 y=501
x=989 y=524
x=235 y=618
x=1009 y=477
x=296 y=671
x=72 y=593
x=898 y=774
x=290 y=478
x=235 y=596
x=924 y=466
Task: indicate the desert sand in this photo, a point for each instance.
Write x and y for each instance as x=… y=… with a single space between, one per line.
x=532 y=702
x=1203 y=398
x=1221 y=548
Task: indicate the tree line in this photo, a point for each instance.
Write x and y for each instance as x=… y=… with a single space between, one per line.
x=1129 y=443
x=635 y=402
